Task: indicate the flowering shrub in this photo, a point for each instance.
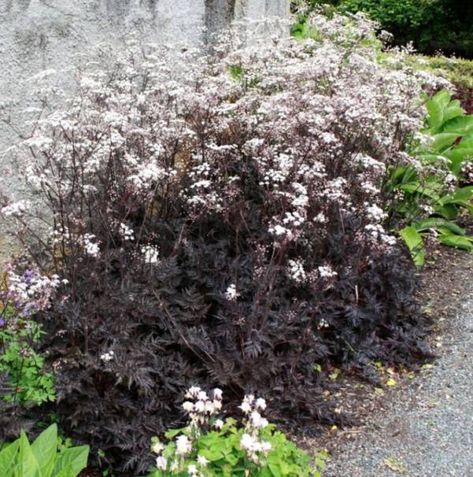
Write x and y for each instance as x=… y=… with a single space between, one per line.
x=221 y=219
x=208 y=446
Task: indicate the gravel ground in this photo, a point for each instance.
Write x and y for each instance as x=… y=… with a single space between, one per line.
x=425 y=428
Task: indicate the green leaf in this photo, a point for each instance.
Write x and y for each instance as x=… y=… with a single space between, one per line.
x=461 y=125
x=462 y=195
x=70 y=462
x=435 y=117
x=414 y=243
x=28 y=465
x=443 y=141
x=8 y=456
x=456 y=241
x=435 y=223
x=45 y=449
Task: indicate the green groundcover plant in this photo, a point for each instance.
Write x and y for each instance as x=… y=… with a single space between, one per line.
x=42 y=458
x=209 y=446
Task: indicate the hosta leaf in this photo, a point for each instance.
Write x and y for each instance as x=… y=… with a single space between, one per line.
x=415 y=243
x=45 y=448
x=443 y=141
x=456 y=241
x=8 y=457
x=435 y=223
x=72 y=460
x=460 y=125
x=28 y=465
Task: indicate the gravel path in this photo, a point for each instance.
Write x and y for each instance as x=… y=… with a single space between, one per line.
x=426 y=429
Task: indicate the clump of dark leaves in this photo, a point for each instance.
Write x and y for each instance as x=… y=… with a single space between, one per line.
x=222 y=230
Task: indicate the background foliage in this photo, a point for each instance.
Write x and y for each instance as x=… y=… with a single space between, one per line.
x=432 y=25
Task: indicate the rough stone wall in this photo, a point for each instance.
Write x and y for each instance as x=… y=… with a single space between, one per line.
x=36 y=35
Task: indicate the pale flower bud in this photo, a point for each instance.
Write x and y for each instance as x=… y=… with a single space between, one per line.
x=161 y=463
x=188 y=406
x=261 y=404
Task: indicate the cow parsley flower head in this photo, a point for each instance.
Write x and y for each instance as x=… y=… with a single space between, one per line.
x=150 y=254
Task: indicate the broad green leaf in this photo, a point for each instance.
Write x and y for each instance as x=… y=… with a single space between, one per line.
x=415 y=244
x=435 y=117
x=45 y=449
x=443 y=141
x=451 y=112
x=434 y=159
x=74 y=460
x=457 y=156
x=28 y=465
x=8 y=456
x=456 y=241
x=460 y=125
x=463 y=194
x=435 y=223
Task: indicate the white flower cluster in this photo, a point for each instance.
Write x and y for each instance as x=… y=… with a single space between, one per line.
x=150 y=254
x=91 y=248
x=375 y=213
x=126 y=232
x=296 y=271
x=17 y=209
x=231 y=293
x=326 y=271
x=30 y=292
x=200 y=407
x=107 y=356
x=250 y=441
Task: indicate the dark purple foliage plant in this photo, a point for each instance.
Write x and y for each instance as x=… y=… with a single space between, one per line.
x=219 y=221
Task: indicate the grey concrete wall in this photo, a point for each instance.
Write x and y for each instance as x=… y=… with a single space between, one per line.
x=36 y=35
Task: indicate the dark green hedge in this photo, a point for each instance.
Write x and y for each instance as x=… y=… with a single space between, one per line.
x=432 y=25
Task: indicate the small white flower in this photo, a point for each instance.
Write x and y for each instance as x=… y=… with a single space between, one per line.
x=183 y=445
x=231 y=293
x=218 y=424
x=192 y=469
x=245 y=407
x=108 y=356
x=126 y=232
x=265 y=446
x=202 y=460
x=157 y=447
x=202 y=395
x=217 y=393
x=327 y=271
x=161 y=463
x=261 y=404
x=188 y=406
x=193 y=391
x=150 y=254
x=247 y=442
x=199 y=406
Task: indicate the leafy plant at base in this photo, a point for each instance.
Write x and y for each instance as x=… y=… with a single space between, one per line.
x=210 y=447
x=447 y=154
x=42 y=458
x=23 y=366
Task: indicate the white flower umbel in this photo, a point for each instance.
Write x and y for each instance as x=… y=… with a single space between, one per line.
x=231 y=293
x=108 y=356
x=150 y=254
x=183 y=445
